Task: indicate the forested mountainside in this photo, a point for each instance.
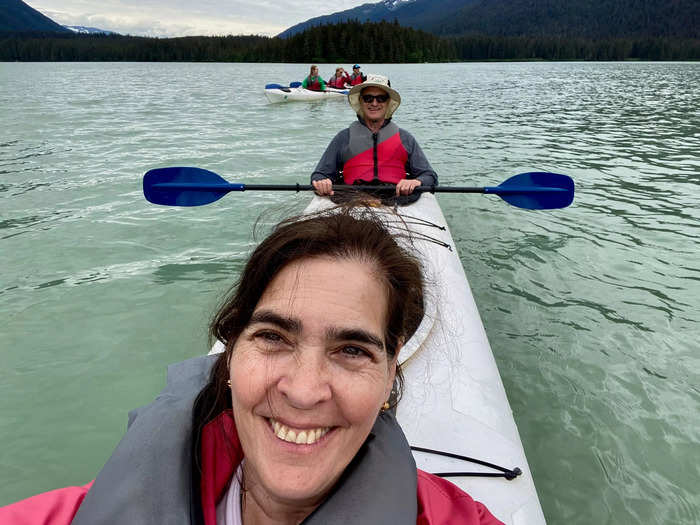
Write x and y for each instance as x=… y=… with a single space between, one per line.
x=574 y=18
x=16 y=16
x=546 y=18
x=338 y=43
x=380 y=42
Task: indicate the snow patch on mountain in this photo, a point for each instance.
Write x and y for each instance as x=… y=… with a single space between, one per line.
x=392 y=5
x=89 y=30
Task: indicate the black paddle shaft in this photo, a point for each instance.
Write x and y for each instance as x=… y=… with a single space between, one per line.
x=342 y=187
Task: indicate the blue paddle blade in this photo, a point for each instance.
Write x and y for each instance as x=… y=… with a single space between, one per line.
x=273 y=86
x=294 y=84
x=183 y=186
x=536 y=190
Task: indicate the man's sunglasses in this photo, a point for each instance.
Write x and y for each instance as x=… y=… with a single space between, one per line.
x=379 y=98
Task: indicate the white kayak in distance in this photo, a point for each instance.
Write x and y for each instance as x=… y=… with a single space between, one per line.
x=454 y=400
x=276 y=93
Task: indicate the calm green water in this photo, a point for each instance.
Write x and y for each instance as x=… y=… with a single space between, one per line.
x=593 y=311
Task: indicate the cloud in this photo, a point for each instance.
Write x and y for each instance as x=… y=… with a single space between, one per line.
x=165 y=18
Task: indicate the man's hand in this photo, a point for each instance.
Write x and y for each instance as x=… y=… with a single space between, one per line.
x=406 y=186
x=323 y=186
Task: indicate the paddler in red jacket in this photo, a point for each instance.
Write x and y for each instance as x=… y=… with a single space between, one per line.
x=357 y=76
x=340 y=79
x=314 y=82
x=373 y=150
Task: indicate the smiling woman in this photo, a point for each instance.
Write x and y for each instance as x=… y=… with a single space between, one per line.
x=290 y=423
x=307 y=388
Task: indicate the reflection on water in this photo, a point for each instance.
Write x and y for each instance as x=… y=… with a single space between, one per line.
x=197 y=272
x=592 y=311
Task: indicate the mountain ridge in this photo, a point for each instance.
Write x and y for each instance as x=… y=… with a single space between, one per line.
x=558 y=18
x=16 y=16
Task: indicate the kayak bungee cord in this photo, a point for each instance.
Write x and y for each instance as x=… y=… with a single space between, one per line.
x=423 y=237
x=415 y=221
x=509 y=474
x=424 y=222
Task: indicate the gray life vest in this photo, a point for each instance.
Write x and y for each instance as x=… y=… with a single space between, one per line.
x=148 y=478
x=372 y=156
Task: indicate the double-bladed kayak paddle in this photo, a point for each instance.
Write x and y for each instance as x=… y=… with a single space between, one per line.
x=186 y=186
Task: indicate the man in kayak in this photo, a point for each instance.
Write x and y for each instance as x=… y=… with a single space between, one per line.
x=314 y=82
x=374 y=150
x=357 y=76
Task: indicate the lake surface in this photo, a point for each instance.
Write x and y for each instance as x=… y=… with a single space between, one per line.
x=593 y=312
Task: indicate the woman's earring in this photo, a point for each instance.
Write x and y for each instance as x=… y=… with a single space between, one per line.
x=386 y=406
x=228 y=382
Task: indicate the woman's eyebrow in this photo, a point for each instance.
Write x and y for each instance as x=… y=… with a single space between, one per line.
x=267 y=316
x=292 y=325
x=355 y=334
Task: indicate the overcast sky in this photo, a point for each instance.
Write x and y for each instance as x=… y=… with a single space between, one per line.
x=189 y=17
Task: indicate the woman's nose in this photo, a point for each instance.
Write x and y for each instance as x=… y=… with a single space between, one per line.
x=306 y=382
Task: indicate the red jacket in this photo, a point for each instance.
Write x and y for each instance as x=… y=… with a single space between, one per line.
x=439 y=501
x=357 y=79
x=369 y=156
x=314 y=83
x=339 y=82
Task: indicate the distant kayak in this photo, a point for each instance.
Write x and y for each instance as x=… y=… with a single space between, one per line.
x=276 y=93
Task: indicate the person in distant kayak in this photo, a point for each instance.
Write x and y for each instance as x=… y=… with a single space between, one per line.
x=340 y=80
x=357 y=76
x=291 y=423
x=314 y=82
x=374 y=150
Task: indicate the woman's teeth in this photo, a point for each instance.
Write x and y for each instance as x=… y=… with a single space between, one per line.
x=301 y=437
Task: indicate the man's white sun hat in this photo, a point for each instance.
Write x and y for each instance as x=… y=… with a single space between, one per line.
x=381 y=82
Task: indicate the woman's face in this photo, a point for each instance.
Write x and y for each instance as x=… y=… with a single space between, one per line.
x=314 y=71
x=308 y=376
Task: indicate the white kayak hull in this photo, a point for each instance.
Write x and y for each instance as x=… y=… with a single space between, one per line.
x=454 y=400
x=299 y=94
